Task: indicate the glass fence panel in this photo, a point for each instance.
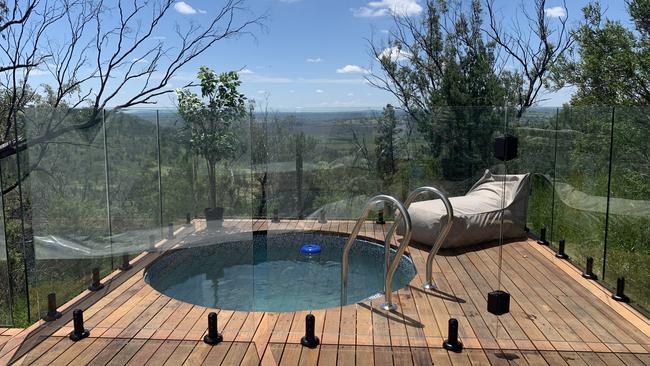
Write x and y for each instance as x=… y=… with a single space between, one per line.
x=183 y=177
x=628 y=230
x=580 y=198
x=132 y=175
x=67 y=197
x=209 y=255
x=537 y=132
x=16 y=249
x=305 y=157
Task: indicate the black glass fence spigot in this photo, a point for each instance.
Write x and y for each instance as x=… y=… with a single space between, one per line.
x=560 y=250
x=126 y=263
x=170 y=231
x=322 y=219
x=152 y=243
x=380 y=217
x=589 y=270
x=188 y=219
x=452 y=343
x=310 y=340
x=79 y=332
x=52 y=312
x=276 y=216
x=213 y=337
x=542 y=237
x=96 y=285
x=620 y=291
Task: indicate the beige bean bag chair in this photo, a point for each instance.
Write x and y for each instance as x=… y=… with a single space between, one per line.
x=477 y=215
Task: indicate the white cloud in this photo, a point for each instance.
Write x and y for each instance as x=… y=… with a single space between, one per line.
x=365 y=12
x=245 y=72
x=555 y=12
x=37 y=72
x=395 y=54
x=261 y=92
x=315 y=60
x=292 y=91
x=185 y=8
x=159 y=38
x=387 y=7
x=350 y=94
x=351 y=69
x=140 y=61
x=264 y=79
x=319 y=91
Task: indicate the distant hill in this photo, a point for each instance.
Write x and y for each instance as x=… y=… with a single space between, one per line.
x=168 y=116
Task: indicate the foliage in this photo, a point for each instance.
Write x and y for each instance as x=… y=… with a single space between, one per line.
x=386 y=146
x=212 y=117
x=433 y=68
x=610 y=64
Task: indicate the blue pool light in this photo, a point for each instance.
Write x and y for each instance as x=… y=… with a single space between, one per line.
x=310 y=249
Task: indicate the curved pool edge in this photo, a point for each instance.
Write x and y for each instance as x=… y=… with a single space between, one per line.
x=371 y=240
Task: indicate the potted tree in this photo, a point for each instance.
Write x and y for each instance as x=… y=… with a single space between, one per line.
x=211 y=120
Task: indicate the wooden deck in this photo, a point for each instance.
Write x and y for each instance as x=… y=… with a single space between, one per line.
x=556 y=318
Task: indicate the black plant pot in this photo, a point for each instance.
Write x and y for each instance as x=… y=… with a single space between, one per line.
x=214 y=217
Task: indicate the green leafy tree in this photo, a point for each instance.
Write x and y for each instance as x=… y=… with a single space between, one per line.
x=436 y=66
x=386 y=147
x=212 y=118
x=610 y=64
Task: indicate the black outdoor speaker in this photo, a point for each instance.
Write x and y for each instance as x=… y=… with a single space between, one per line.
x=505 y=147
x=498 y=302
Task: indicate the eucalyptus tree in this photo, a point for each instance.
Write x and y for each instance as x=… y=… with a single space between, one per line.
x=533 y=46
x=610 y=62
x=609 y=68
x=439 y=66
x=386 y=147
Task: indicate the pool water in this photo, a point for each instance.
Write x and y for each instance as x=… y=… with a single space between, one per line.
x=268 y=273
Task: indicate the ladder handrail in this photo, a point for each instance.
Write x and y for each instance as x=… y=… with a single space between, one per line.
x=355 y=232
x=443 y=233
x=406 y=238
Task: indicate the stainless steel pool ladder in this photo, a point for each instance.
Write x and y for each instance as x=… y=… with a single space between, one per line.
x=442 y=234
x=389 y=269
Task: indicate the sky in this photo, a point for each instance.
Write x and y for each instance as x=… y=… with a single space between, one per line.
x=313 y=54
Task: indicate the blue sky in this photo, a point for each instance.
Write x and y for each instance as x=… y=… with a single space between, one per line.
x=312 y=53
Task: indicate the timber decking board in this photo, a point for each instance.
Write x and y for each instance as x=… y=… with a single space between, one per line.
x=555 y=319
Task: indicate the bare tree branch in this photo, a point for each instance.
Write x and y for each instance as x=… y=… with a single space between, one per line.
x=534 y=51
x=101 y=49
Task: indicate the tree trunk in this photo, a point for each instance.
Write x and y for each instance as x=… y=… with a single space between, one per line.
x=212 y=176
x=261 y=208
x=299 y=151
